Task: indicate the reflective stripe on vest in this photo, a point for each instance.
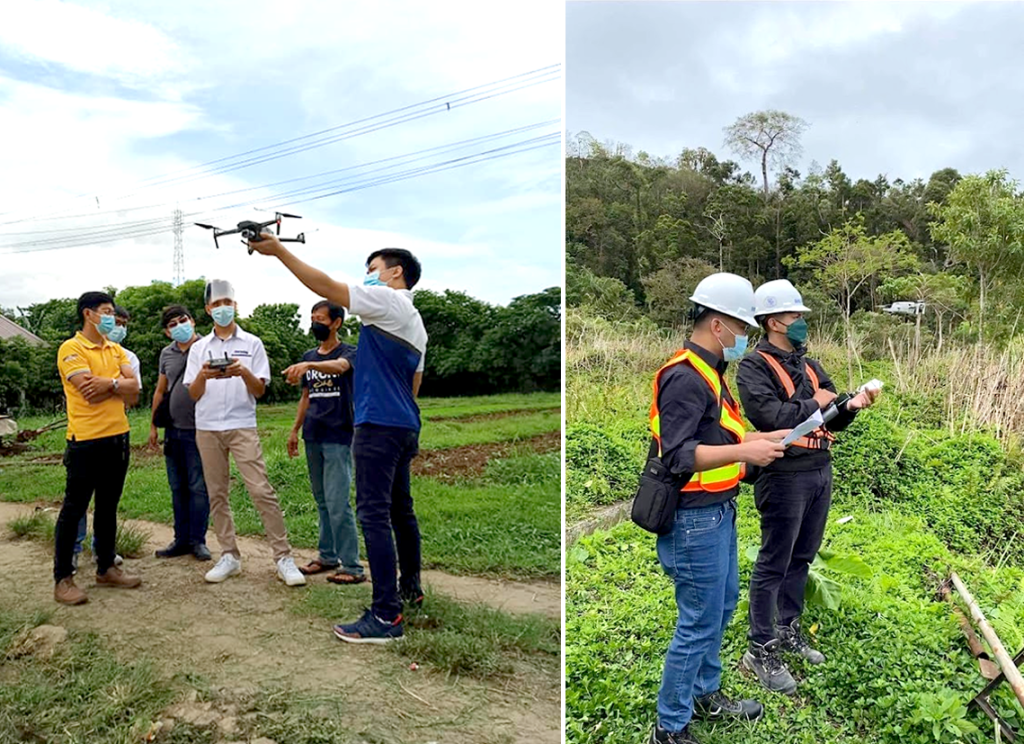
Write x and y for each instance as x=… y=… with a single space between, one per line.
x=820 y=438
x=727 y=476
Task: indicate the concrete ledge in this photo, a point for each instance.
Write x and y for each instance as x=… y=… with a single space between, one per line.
x=605 y=519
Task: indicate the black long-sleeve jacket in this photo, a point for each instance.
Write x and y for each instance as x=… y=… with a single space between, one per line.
x=768 y=407
x=690 y=416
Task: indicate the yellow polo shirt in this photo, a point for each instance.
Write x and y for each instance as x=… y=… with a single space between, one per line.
x=86 y=420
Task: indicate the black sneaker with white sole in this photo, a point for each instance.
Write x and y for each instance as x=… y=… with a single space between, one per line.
x=661 y=736
x=718 y=705
x=765 y=663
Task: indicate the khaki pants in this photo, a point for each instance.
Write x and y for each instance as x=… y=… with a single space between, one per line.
x=244 y=445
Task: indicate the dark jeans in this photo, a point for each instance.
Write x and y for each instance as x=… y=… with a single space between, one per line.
x=100 y=466
x=699 y=554
x=382 y=456
x=794 y=509
x=188 y=489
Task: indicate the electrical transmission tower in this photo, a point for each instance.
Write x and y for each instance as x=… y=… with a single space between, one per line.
x=179 y=255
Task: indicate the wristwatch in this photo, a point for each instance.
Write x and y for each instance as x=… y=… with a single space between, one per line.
x=114 y=388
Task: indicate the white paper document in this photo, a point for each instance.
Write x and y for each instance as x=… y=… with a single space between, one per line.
x=802 y=430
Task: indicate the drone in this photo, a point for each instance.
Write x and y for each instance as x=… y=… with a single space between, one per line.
x=250 y=231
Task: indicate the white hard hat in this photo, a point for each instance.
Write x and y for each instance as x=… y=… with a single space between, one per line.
x=778 y=296
x=218 y=289
x=728 y=294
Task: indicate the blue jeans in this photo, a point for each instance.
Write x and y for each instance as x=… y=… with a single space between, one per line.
x=83 y=527
x=330 y=475
x=700 y=557
x=189 y=499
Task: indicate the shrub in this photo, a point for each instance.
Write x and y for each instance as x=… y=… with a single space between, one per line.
x=600 y=467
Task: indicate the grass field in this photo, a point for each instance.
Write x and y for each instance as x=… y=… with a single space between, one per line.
x=504 y=521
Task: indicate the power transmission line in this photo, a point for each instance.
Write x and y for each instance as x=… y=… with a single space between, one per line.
x=179 y=253
x=369 y=177
x=441 y=104
x=110 y=235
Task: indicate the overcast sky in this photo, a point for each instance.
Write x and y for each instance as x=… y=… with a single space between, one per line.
x=95 y=97
x=902 y=89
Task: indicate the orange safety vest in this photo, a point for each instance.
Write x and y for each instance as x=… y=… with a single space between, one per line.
x=820 y=438
x=719 y=479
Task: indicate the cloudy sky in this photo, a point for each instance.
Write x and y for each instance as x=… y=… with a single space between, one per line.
x=900 y=88
x=98 y=100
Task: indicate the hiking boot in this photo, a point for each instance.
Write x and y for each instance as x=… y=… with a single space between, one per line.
x=117 y=578
x=370 y=629
x=717 y=705
x=794 y=641
x=661 y=736
x=174 y=550
x=201 y=552
x=65 y=592
x=764 y=662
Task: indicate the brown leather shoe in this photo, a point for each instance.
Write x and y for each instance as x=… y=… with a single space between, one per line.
x=67 y=593
x=116 y=577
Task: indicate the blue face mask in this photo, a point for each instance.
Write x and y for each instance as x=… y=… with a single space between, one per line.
x=373 y=280
x=223 y=315
x=106 y=325
x=735 y=352
x=117 y=334
x=182 y=332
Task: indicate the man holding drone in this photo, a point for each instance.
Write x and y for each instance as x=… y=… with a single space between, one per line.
x=388 y=371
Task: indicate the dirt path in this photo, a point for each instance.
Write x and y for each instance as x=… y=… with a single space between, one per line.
x=241 y=635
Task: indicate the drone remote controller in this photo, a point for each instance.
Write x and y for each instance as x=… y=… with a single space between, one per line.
x=221 y=364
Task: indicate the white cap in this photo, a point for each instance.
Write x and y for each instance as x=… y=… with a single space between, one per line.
x=218 y=289
x=778 y=296
x=728 y=294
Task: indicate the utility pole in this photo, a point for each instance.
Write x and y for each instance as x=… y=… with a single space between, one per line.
x=179 y=255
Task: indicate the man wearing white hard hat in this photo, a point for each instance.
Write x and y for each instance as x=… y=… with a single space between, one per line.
x=226 y=372
x=780 y=388
x=699 y=434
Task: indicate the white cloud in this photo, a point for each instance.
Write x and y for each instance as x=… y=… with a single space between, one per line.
x=183 y=58
x=86 y=39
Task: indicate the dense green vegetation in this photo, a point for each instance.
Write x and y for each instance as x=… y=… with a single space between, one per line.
x=926 y=493
x=475 y=348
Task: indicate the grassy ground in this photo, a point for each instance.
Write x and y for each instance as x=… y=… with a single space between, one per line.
x=504 y=523
x=87 y=693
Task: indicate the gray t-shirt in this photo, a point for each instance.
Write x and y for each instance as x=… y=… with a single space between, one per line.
x=183 y=408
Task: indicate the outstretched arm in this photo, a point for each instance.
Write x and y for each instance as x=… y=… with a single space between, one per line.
x=315 y=280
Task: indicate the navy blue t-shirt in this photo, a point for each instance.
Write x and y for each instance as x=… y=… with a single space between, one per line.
x=329 y=416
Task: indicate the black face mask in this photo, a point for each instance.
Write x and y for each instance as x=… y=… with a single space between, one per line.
x=320 y=331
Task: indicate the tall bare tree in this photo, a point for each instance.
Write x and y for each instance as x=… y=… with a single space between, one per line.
x=772 y=136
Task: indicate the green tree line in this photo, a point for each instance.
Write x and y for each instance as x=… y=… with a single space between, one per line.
x=475 y=348
x=641 y=231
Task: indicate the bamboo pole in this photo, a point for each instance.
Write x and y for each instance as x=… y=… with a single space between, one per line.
x=1006 y=664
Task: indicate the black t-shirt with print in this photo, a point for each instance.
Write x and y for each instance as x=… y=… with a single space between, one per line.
x=329 y=417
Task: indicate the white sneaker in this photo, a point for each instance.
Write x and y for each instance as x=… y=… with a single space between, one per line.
x=227 y=566
x=289 y=573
